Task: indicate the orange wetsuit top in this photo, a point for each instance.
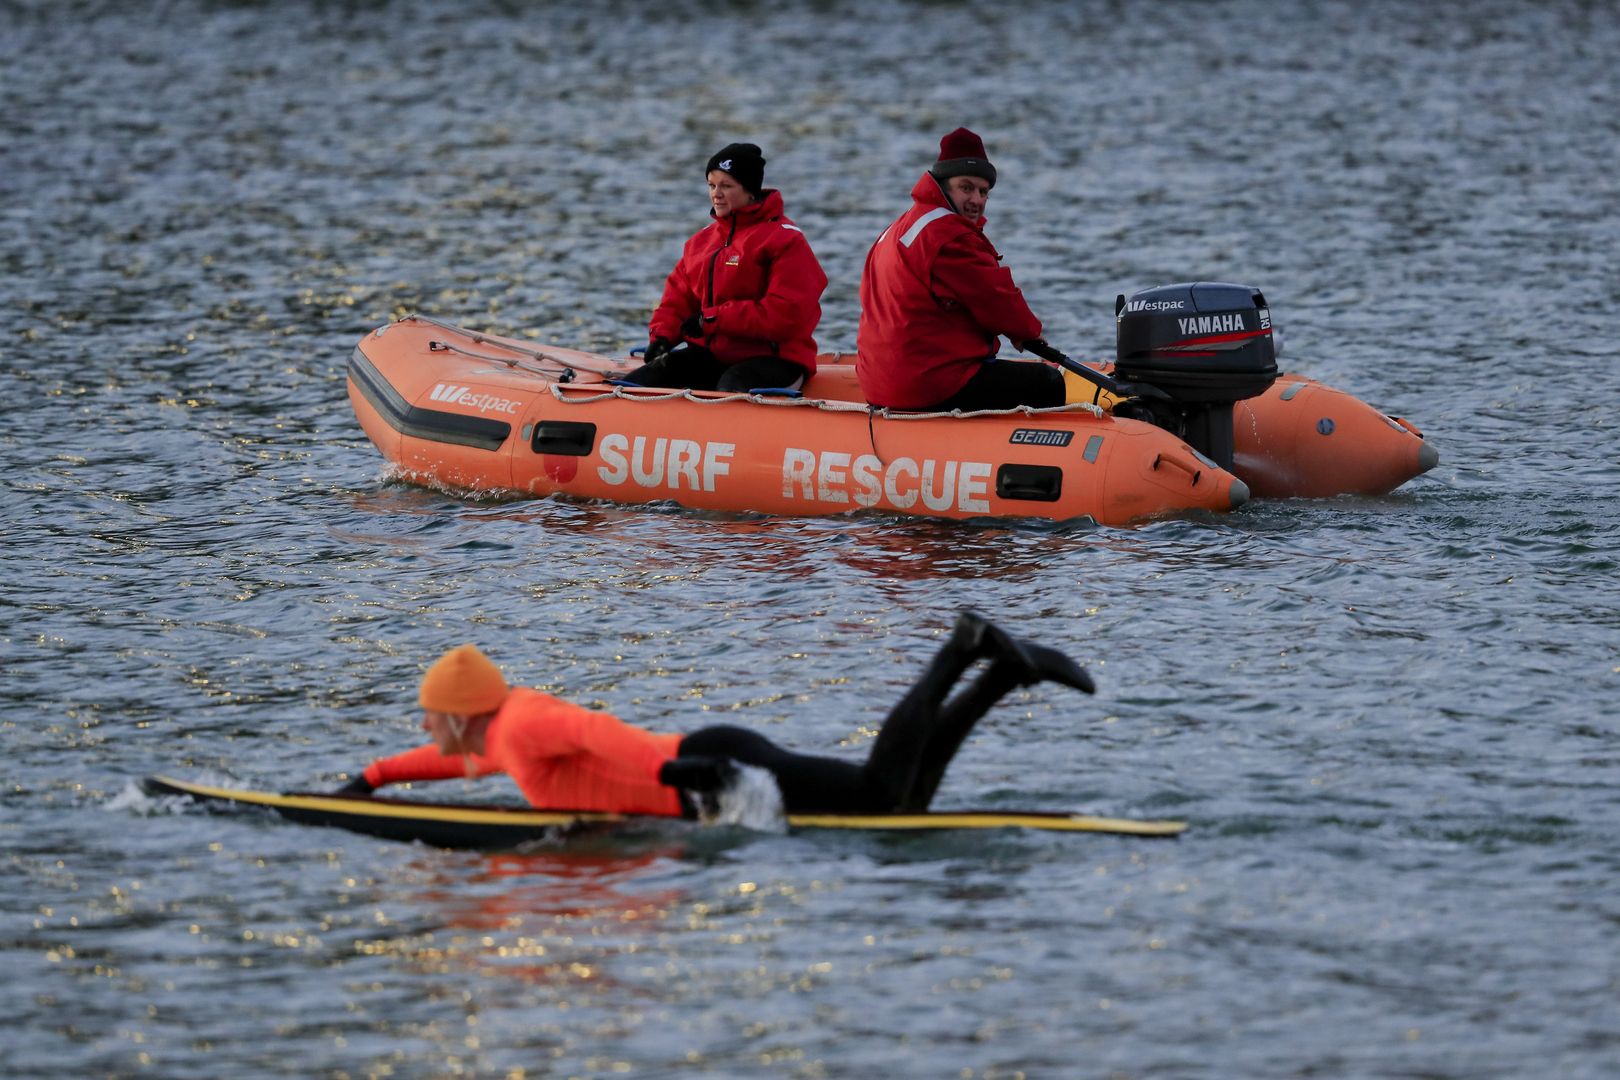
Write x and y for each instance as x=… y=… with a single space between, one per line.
x=562 y=756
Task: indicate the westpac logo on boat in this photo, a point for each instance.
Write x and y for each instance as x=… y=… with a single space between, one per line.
x=451 y=394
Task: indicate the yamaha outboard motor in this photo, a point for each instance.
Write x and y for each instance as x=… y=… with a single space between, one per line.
x=1208 y=345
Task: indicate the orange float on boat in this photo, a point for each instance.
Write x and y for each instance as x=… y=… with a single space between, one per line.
x=1301 y=438
x=488 y=413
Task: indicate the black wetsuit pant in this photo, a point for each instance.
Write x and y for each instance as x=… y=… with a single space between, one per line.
x=908 y=758
x=1007 y=384
x=695 y=368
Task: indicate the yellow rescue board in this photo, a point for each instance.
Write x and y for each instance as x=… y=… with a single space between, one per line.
x=456 y=825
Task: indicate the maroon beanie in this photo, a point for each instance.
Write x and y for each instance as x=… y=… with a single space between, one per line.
x=961 y=153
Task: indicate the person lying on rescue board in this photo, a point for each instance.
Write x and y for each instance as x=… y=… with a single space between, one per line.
x=741 y=306
x=935 y=301
x=564 y=757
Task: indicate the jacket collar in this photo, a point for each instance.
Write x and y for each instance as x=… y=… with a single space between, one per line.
x=928 y=191
x=768 y=206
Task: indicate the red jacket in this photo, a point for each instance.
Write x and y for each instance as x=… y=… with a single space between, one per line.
x=934 y=297
x=752 y=272
x=562 y=756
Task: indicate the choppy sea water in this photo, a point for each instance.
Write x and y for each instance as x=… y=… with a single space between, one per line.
x=1389 y=721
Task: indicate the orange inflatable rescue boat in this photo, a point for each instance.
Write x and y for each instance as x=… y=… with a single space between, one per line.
x=475 y=411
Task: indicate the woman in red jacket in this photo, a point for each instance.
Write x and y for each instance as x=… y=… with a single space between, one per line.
x=564 y=757
x=741 y=306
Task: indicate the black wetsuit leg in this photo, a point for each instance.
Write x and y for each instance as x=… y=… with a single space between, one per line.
x=1007 y=384
x=952 y=725
x=920 y=736
x=690 y=368
x=1014 y=662
x=897 y=753
x=914 y=745
x=809 y=783
x=760 y=373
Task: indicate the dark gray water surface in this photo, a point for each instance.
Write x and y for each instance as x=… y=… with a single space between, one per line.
x=1389 y=721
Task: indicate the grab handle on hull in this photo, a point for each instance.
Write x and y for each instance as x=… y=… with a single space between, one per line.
x=1192 y=473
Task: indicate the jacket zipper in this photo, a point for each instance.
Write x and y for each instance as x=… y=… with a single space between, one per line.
x=732 y=235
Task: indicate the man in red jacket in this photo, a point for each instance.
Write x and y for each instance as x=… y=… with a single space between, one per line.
x=935 y=299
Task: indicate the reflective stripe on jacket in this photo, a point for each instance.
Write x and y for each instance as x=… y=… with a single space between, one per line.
x=934 y=298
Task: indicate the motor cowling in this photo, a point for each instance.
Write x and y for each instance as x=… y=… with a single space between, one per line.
x=1208 y=345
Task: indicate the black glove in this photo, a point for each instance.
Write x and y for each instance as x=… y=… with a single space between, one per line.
x=357 y=786
x=697 y=773
x=695 y=326
x=657 y=350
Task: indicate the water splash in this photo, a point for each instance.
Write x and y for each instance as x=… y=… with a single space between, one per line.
x=752 y=801
x=134 y=799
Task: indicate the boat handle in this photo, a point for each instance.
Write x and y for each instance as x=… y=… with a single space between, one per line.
x=1182 y=465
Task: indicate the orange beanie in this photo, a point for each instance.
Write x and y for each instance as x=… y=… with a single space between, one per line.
x=463 y=681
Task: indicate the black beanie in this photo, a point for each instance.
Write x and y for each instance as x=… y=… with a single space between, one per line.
x=742 y=161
